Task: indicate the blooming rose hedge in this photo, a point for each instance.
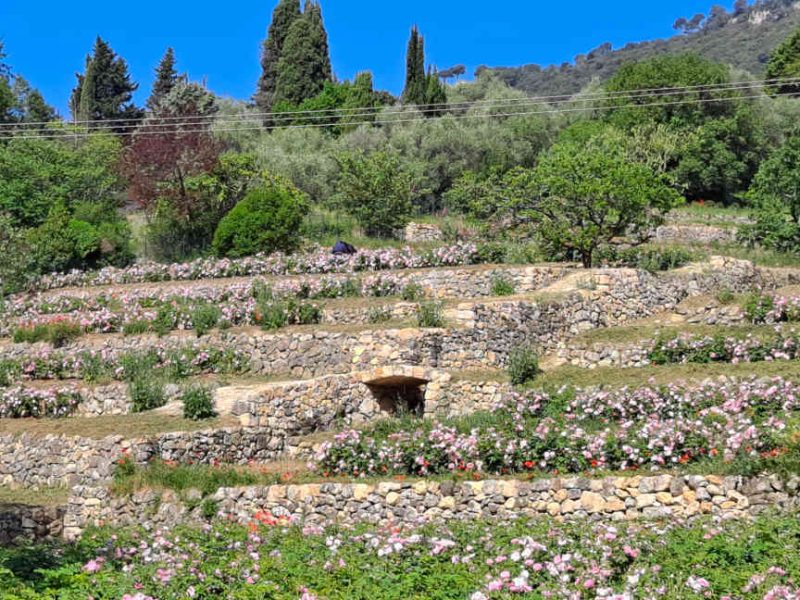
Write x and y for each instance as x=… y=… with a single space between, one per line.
x=573 y=431
x=109 y=312
x=688 y=348
x=273 y=558
x=316 y=262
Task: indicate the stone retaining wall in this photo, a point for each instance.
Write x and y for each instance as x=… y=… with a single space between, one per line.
x=696 y=234
x=20 y=523
x=479 y=334
x=613 y=498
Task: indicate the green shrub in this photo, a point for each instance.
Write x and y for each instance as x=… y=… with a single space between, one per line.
x=412 y=292
x=523 y=365
x=136 y=327
x=652 y=259
x=204 y=318
x=757 y=307
x=379 y=314
x=58 y=333
x=308 y=314
x=272 y=315
x=147 y=393
x=209 y=509
x=165 y=321
x=491 y=253
x=725 y=296
x=377 y=189
x=430 y=314
x=198 y=403
x=502 y=286
x=267 y=220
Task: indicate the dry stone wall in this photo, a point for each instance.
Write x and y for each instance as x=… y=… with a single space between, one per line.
x=613 y=498
x=21 y=523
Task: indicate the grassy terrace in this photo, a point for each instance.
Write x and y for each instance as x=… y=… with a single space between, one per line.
x=41 y=496
x=634 y=333
x=661 y=375
x=137 y=425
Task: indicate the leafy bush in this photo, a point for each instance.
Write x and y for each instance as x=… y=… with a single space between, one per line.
x=204 y=318
x=198 y=403
x=502 y=286
x=651 y=259
x=725 y=296
x=412 y=292
x=379 y=314
x=523 y=365
x=267 y=220
x=491 y=253
x=430 y=315
x=58 y=333
x=147 y=392
x=166 y=320
x=757 y=307
x=377 y=190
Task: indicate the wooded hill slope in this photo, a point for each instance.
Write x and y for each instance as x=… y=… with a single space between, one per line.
x=743 y=39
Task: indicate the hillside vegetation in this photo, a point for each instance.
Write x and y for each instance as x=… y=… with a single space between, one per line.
x=743 y=39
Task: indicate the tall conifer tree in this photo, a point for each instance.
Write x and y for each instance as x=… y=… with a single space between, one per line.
x=414 y=91
x=166 y=78
x=105 y=91
x=286 y=13
x=305 y=63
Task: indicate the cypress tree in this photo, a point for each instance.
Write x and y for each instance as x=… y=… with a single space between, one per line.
x=105 y=90
x=166 y=78
x=435 y=94
x=286 y=13
x=322 y=53
x=305 y=64
x=414 y=91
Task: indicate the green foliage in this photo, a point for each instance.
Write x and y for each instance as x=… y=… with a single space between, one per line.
x=204 y=318
x=304 y=65
x=415 y=87
x=285 y=13
x=430 y=314
x=198 y=403
x=775 y=195
x=757 y=307
x=147 y=392
x=377 y=190
x=502 y=286
x=652 y=259
x=36 y=174
x=784 y=63
x=105 y=90
x=267 y=220
x=379 y=314
x=412 y=292
x=668 y=71
x=605 y=197
x=166 y=78
x=523 y=365
x=58 y=333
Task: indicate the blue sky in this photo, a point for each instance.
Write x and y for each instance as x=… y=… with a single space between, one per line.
x=48 y=40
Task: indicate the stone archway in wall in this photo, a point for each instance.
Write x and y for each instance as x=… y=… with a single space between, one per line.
x=400 y=389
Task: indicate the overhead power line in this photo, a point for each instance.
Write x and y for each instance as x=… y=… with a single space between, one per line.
x=278 y=117
x=259 y=127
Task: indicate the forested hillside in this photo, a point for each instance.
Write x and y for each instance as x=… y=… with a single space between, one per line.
x=743 y=38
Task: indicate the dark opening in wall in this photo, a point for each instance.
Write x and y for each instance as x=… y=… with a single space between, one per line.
x=399 y=395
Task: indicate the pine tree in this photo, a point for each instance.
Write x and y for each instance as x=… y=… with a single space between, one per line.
x=30 y=106
x=414 y=91
x=166 y=78
x=305 y=63
x=105 y=90
x=286 y=13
